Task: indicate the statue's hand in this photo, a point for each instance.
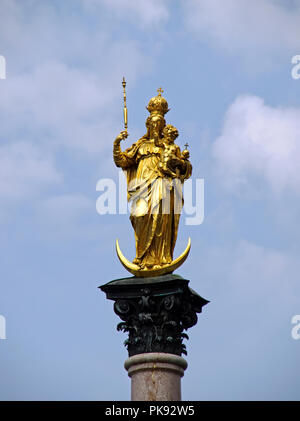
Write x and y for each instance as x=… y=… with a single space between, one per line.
x=121 y=136
x=174 y=162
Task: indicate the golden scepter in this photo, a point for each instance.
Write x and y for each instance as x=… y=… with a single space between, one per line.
x=125 y=108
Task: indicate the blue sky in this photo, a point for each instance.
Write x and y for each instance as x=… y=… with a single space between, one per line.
x=225 y=67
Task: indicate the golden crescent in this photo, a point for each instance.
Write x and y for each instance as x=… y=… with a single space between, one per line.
x=147 y=273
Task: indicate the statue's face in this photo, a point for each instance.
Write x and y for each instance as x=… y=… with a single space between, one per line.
x=156 y=124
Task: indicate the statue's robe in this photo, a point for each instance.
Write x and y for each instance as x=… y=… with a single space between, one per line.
x=156 y=200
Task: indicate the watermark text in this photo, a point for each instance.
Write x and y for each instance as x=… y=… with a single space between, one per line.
x=2 y=327
x=2 y=67
x=296 y=329
x=296 y=69
x=161 y=195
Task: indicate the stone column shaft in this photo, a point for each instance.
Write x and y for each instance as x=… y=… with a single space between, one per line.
x=155 y=376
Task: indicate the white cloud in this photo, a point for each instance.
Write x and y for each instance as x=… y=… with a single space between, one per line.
x=24 y=171
x=258 y=30
x=259 y=143
x=64 y=105
x=66 y=206
x=63 y=89
x=64 y=76
x=66 y=216
x=58 y=105
x=143 y=12
x=254 y=276
x=264 y=279
x=254 y=291
x=266 y=267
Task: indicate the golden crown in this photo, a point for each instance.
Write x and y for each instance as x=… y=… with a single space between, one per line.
x=158 y=104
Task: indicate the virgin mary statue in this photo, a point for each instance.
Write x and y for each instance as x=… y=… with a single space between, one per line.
x=155 y=169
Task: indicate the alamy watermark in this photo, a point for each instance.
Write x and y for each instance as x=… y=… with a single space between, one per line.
x=296 y=329
x=161 y=195
x=296 y=69
x=2 y=327
x=2 y=67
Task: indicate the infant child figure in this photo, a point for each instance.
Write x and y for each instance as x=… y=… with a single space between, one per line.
x=171 y=152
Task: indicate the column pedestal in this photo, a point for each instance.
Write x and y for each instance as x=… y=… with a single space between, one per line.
x=155 y=314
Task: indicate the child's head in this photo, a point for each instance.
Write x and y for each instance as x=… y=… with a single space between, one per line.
x=170 y=133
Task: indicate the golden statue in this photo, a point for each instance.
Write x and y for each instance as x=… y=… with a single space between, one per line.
x=155 y=169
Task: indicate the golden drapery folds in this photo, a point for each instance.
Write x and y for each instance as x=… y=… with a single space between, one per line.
x=155 y=169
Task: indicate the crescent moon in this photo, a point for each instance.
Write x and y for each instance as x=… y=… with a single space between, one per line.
x=147 y=273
